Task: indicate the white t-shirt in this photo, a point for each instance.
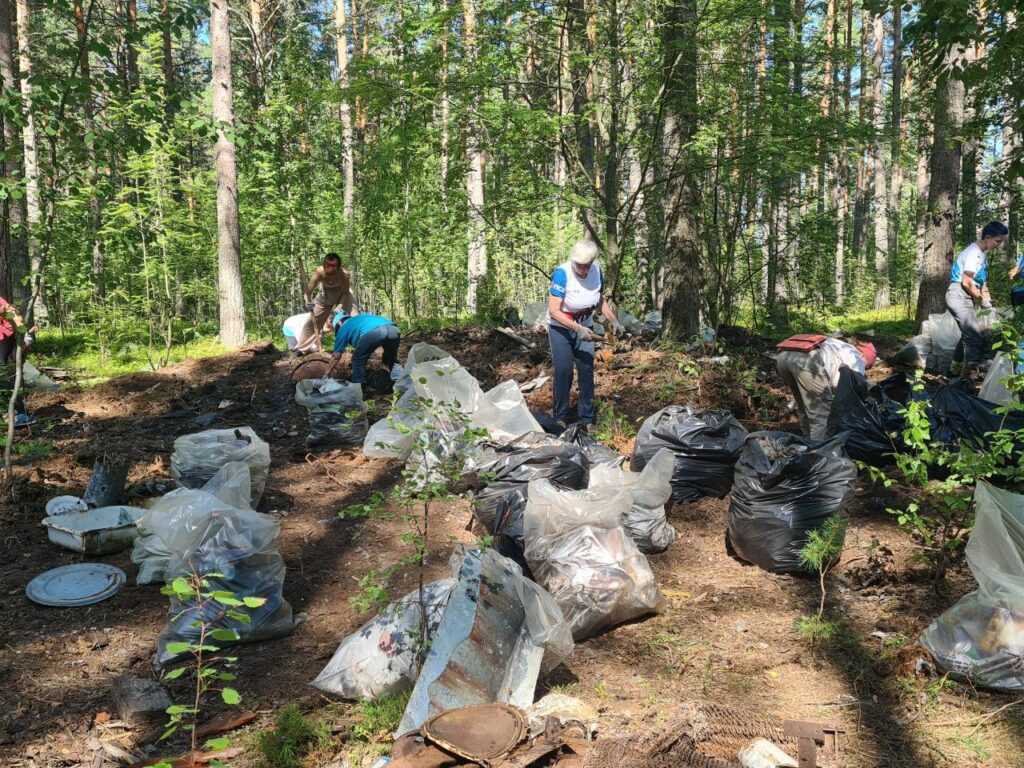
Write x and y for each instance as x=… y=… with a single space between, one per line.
x=577 y=295
x=295 y=325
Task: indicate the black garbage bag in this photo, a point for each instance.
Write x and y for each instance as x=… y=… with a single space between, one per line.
x=547 y=422
x=957 y=416
x=706 y=445
x=595 y=451
x=500 y=475
x=786 y=486
x=872 y=418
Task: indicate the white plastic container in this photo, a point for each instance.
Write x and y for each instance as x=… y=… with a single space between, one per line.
x=96 y=531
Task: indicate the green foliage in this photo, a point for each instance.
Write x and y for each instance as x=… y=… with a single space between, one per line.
x=292 y=737
x=814 y=629
x=823 y=548
x=611 y=425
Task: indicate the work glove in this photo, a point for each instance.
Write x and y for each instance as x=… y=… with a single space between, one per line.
x=585 y=334
x=618 y=328
x=986 y=303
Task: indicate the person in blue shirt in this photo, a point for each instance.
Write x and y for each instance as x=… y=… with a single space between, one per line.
x=1017 y=292
x=365 y=333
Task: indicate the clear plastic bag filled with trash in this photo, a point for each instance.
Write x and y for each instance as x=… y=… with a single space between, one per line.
x=337 y=414
x=649 y=490
x=198 y=457
x=579 y=551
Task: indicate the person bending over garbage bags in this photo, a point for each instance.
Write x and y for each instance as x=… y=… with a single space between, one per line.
x=365 y=333
x=809 y=365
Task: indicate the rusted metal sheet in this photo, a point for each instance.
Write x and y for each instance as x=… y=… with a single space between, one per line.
x=482 y=651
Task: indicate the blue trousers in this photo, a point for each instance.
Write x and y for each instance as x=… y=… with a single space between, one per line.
x=566 y=351
x=385 y=336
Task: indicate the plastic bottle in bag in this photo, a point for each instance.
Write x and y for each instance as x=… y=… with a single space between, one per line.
x=198 y=457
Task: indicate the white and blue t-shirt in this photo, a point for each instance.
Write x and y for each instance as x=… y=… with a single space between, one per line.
x=1020 y=267
x=970 y=259
x=580 y=296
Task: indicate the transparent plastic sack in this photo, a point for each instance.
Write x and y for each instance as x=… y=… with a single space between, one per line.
x=164 y=528
x=629 y=322
x=914 y=354
x=981 y=638
x=649 y=490
x=786 y=486
x=421 y=352
x=943 y=332
x=380 y=658
x=392 y=437
x=651 y=326
x=535 y=315
x=337 y=414
x=235 y=548
x=993 y=388
x=198 y=457
x=706 y=445
x=445 y=383
x=580 y=553
x=503 y=412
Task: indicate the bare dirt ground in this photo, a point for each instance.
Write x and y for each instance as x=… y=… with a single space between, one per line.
x=726 y=634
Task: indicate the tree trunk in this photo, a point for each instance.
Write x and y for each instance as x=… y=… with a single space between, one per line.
x=562 y=99
x=476 y=235
x=446 y=109
x=167 y=60
x=131 y=52
x=33 y=206
x=897 y=130
x=229 y=256
x=15 y=246
x=861 y=195
x=682 y=282
x=879 y=195
x=95 y=221
x=612 y=156
x=943 y=187
x=347 y=151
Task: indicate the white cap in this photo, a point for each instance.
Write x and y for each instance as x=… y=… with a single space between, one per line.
x=584 y=252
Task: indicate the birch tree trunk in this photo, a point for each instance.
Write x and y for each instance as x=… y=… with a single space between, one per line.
x=476 y=235
x=347 y=152
x=879 y=196
x=33 y=206
x=944 y=184
x=229 y=252
x=446 y=109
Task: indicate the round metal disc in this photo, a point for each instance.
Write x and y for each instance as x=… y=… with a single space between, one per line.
x=75 y=585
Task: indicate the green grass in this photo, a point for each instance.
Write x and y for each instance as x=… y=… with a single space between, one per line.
x=26 y=448
x=292 y=738
x=80 y=352
x=892 y=322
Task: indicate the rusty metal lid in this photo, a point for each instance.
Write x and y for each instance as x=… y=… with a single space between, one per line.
x=480 y=732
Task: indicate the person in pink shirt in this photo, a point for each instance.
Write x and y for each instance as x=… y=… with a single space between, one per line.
x=10 y=321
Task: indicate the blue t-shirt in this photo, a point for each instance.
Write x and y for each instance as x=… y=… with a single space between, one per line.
x=1020 y=267
x=352 y=330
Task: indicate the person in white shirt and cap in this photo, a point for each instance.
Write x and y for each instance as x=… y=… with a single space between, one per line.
x=298 y=334
x=577 y=291
x=813 y=376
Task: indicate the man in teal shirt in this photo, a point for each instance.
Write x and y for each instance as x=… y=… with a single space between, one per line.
x=365 y=333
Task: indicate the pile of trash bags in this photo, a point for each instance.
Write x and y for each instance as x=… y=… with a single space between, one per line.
x=337 y=414
x=578 y=550
x=199 y=456
x=595 y=451
x=500 y=474
x=981 y=638
x=875 y=421
x=933 y=349
x=382 y=657
x=214 y=533
x=786 y=486
x=649 y=491
x=706 y=445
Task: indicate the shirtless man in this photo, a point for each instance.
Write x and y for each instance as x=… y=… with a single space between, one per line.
x=334 y=289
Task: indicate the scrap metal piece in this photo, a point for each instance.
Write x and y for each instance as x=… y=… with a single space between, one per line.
x=481 y=733
x=482 y=651
x=809 y=734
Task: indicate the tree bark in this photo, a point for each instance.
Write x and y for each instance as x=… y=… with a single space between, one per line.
x=13 y=242
x=347 y=150
x=943 y=187
x=229 y=256
x=897 y=135
x=131 y=52
x=33 y=206
x=879 y=195
x=862 y=195
x=682 y=281
x=476 y=235
x=446 y=109
x=95 y=219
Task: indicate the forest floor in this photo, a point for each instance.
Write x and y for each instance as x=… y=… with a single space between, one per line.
x=726 y=634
